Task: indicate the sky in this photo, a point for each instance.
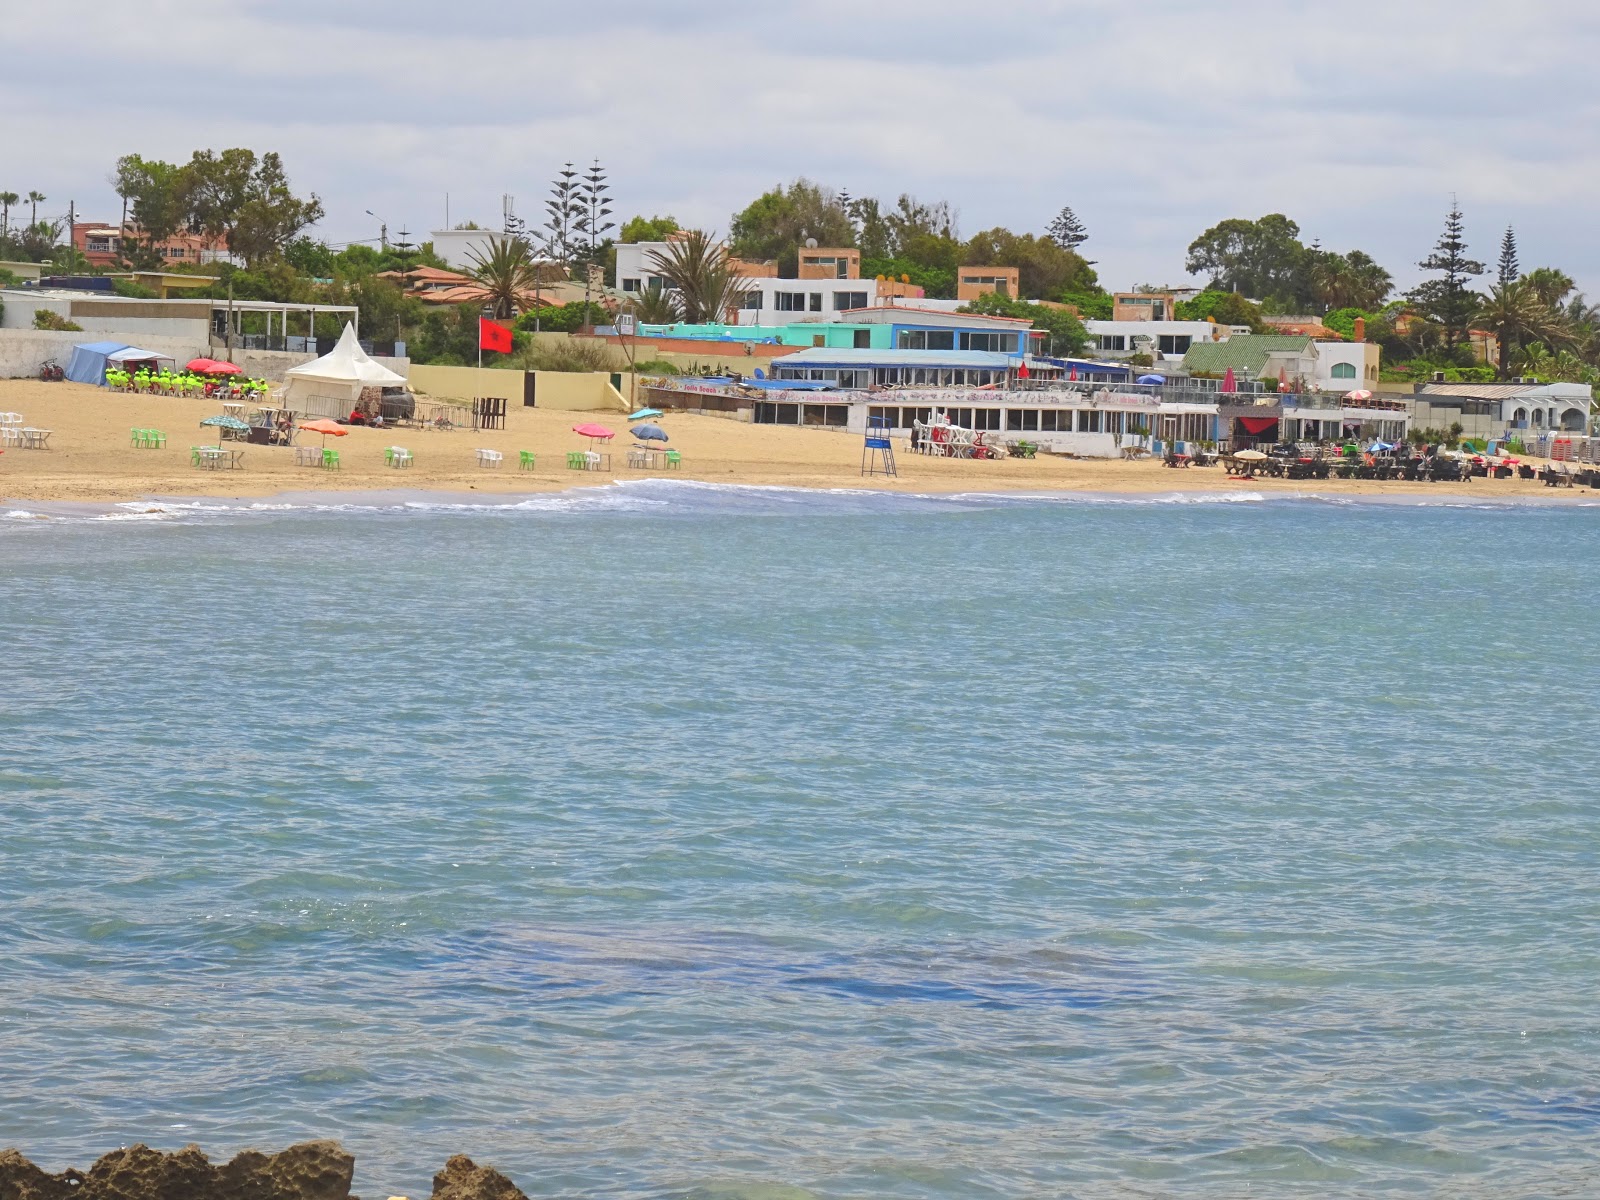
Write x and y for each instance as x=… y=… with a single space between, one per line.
x=1152 y=120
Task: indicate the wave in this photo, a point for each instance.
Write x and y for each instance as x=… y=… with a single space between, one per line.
x=662 y=497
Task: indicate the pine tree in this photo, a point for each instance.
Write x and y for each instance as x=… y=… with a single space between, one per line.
x=1509 y=271
x=1067 y=231
x=1448 y=300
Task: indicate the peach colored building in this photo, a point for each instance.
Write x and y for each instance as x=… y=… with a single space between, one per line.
x=829 y=262
x=1142 y=306
x=101 y=244
x=972 y=282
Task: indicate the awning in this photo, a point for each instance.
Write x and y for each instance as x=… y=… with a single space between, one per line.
x=1257 y=425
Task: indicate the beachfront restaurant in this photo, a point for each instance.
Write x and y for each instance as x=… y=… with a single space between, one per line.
x=1311 y=417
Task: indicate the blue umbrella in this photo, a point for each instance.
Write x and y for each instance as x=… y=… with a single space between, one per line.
x=644 y=414
x=1152 y=379
x=649 y=433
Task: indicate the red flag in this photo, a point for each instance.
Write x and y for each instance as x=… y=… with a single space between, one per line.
x=494 y=336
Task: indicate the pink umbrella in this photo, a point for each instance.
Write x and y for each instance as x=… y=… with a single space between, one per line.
x=590 y=430
x=1229 y=383
x=1358 y=394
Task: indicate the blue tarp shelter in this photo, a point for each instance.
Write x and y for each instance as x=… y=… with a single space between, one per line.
x=88 y=363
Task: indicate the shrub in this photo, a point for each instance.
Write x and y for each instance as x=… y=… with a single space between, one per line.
x=133 y=291
x=46 y=318
x=569 y=354
x=654 y=366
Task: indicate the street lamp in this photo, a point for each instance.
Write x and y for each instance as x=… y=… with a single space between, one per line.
x=383 y=229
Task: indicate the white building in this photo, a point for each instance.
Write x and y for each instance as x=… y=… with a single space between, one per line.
x=1164 y=341
x=767 y=301
x=1345 y=366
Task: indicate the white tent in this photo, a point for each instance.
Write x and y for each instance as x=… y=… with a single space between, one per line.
x=340 y=374
x=134 y=354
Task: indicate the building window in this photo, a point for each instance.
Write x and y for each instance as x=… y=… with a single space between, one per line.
x=1174 y=343
x=1113 y=341
x=630 y=285
x=752 y=301
x=789 y=301
x=1002 y=343
x=1344 y=370
x=816 y=301
x=100 y=244
x=845 y=301
x=913 y=339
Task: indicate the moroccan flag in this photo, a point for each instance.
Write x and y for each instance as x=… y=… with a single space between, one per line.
x=494 y=336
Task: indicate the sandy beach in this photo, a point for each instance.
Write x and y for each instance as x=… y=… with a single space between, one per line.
x=90 y=459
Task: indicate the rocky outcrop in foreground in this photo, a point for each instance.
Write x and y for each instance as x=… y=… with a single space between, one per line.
x=309 y=1171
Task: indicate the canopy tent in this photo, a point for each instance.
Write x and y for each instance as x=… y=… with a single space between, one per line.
x=132 y=354
x=88 y=362
x=342 y=373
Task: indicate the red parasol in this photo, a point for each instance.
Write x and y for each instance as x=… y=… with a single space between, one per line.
x=210 y=366
x=591 y=430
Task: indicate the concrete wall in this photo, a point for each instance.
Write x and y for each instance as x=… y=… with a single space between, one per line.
x=561 y=390
x=23 y=351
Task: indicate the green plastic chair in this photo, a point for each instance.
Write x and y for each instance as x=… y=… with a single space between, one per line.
x=525 y=460
x=194 y=456
x=675 y=459
x=575 y=460
x=136 y=437
x=388 y=456
x=330 y=460
x=155 y=439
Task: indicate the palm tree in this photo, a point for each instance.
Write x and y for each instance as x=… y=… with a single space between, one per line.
x=701 y=270
x=654 y=305
x=7 y=199
x=35 y=199
x=508 y=273
x=1516 y=315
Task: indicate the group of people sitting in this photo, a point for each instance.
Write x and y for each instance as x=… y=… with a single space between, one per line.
x=185 y=383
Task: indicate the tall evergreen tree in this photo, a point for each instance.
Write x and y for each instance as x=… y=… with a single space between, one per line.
x=1067 y=231
x=1448 y=300
x=1509 y=271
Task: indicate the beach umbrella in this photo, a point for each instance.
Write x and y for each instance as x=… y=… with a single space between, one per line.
x=225 y=422
x=1229 y=383
x=645 y=414
x=649 y=433
x=1358 y=394
x=1152 y=379
x=326 y=428
x=595 y=433
x=1250 y=456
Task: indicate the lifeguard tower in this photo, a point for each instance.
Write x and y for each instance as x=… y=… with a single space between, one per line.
x=877 y=455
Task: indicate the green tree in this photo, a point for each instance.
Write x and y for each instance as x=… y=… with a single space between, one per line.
x=1516 y=316
x=1352 y=280
x=246 y=202
x=647 y=229
x=1067 y=231
x=1045 y=269
x=1448 y=301
x=1064 y=333
x=7 y=200
x=777 y=223
x=34 y=200
x=508 y=272
x=1508 y=269
x=1225 y=308
x=700 y=269
x=1261 y=258
x=1549 y=285
x=935 y=282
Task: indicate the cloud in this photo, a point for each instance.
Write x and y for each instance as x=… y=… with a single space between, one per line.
x=1153 y=121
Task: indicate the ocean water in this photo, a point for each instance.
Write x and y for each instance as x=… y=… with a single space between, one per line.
x=669 y=840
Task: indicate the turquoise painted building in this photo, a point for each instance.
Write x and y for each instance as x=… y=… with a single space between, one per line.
x=883 y=327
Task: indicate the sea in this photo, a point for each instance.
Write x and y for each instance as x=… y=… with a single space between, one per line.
x=669 y=840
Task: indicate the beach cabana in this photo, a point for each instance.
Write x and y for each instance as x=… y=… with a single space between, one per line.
x=339 y=376
x=88 y=361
